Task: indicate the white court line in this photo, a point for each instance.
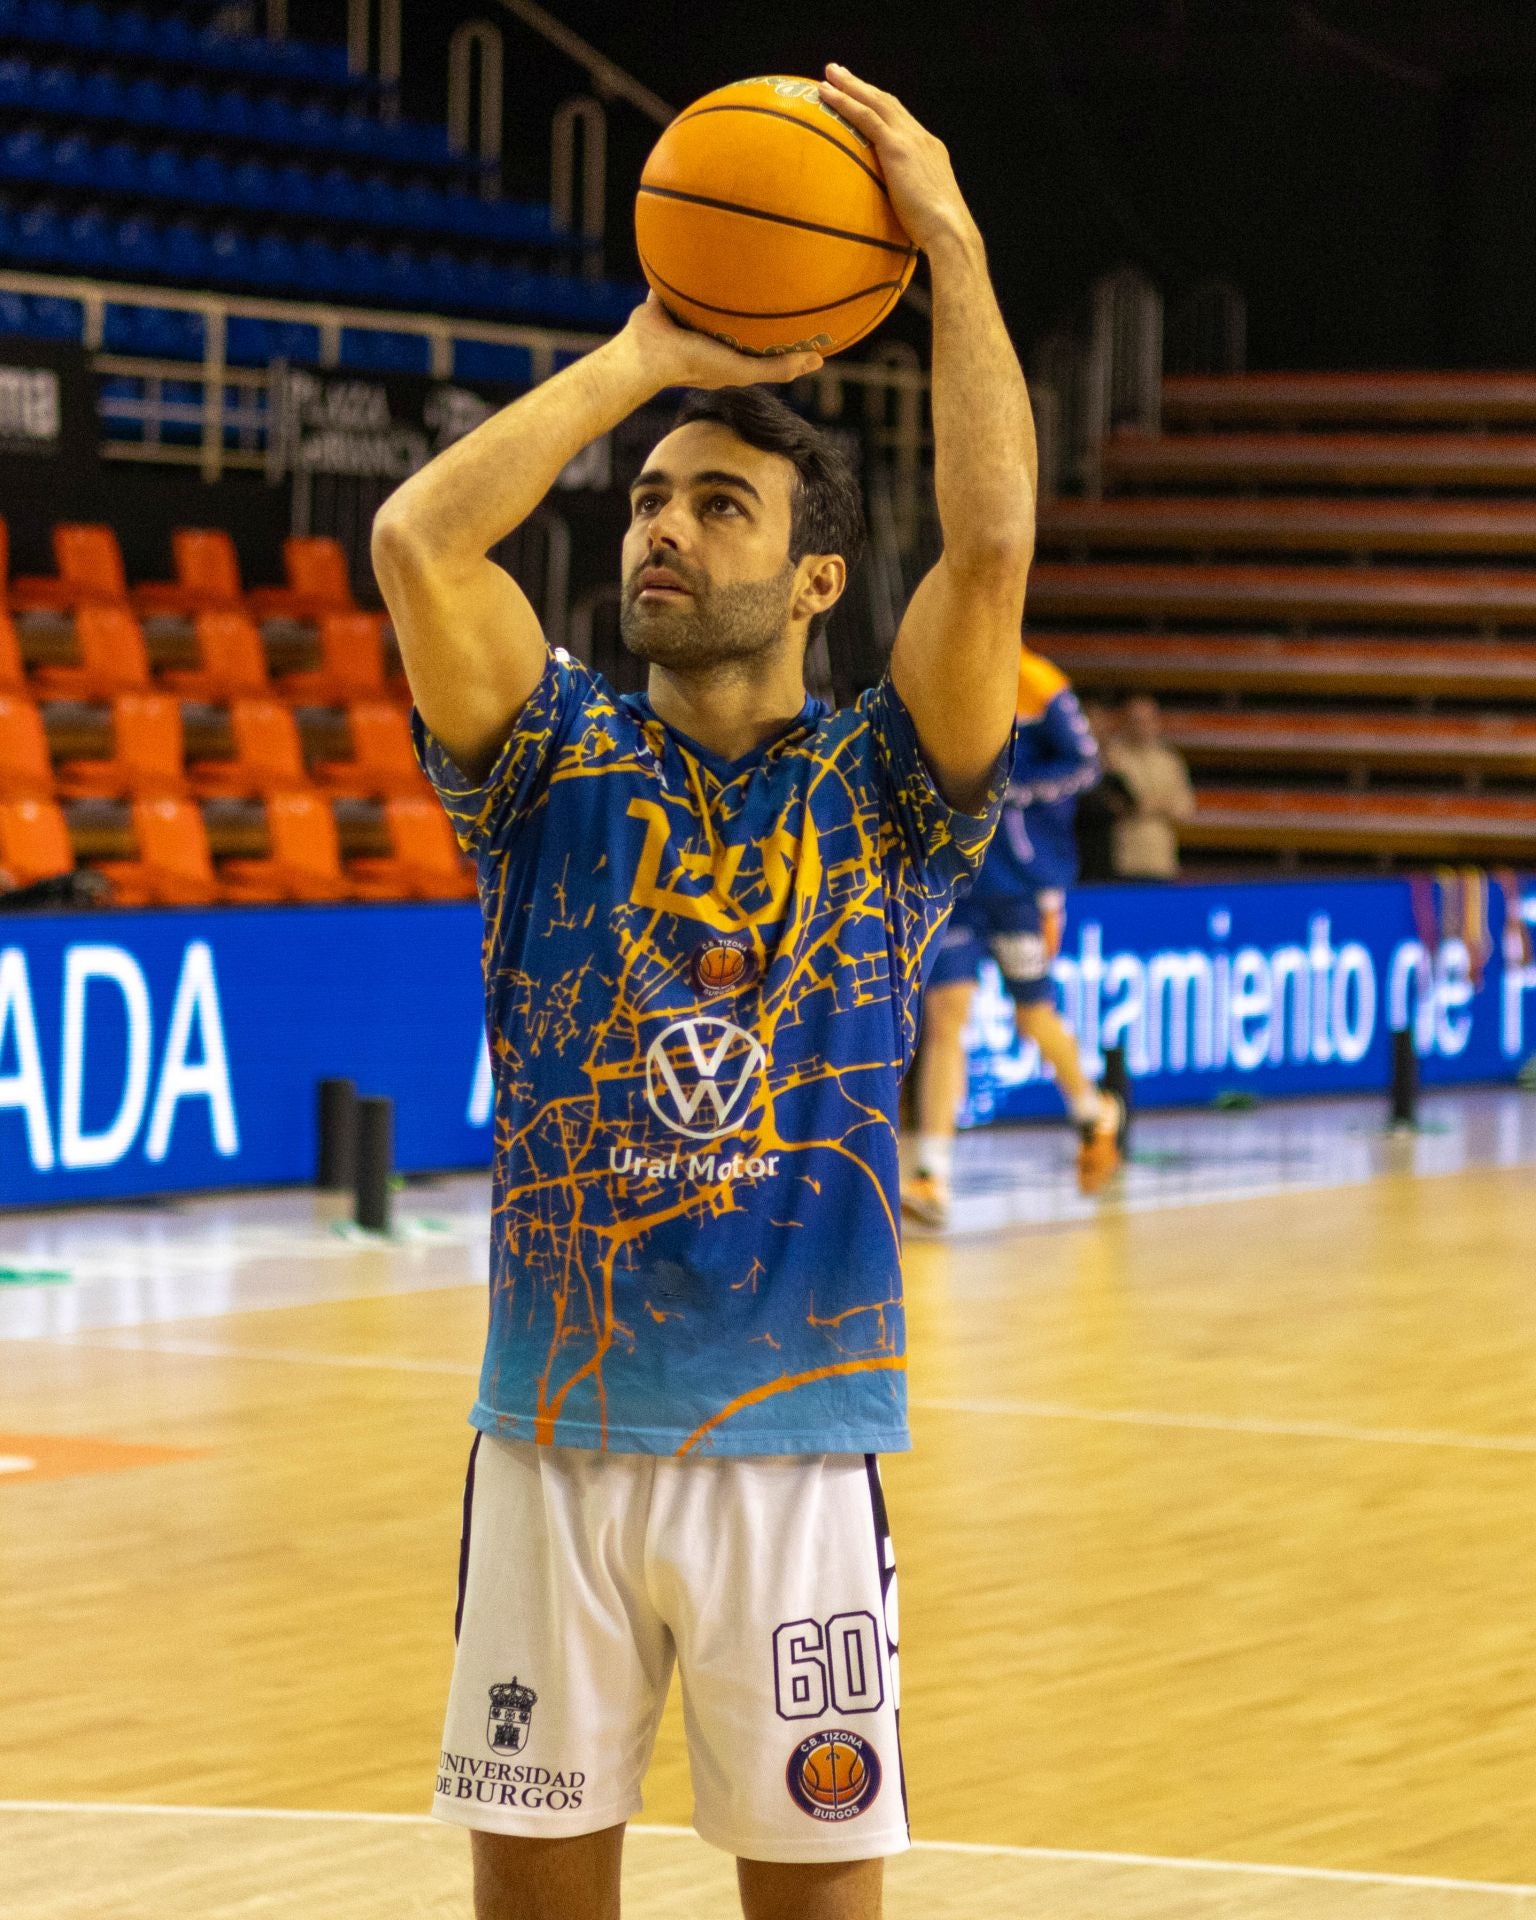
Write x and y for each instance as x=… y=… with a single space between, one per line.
x=1347 y=1875
x=1520 y=1443
x=1221 y=1423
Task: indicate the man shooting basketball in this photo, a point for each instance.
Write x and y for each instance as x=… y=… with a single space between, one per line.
x=708 y=914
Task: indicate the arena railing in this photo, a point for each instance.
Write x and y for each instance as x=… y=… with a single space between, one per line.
x=893 y=380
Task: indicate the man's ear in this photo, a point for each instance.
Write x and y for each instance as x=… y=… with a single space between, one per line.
x=819 y=584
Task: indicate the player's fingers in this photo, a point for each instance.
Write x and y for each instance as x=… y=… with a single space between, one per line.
x=862 y=90
x=778 y=368
x=855 y=112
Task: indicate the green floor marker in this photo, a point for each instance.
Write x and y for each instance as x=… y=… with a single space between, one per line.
x=34 y=1276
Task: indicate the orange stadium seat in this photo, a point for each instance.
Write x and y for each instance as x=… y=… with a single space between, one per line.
x=90 y=572
x=351 y=663
x=113 y=658
x=26 y=771
x=207 y=575
x=174 y=867
x=305 y=862
x=34 y=842
x=318 y=582
x=383 y=760
x=233 y=661
x=147 y=761
x=426 y=864
x=268 y=757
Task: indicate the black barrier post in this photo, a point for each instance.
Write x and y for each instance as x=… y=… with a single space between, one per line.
x=1405 y=1079
x=375 y=1158
x=336 y=1161
x=1117 y=1080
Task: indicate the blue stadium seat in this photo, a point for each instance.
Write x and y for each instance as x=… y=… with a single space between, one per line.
x=190 y=110
x=147 y=102
x=57 y=89
x=211 y=182
x=186 y=254
x=490 y=360
x=38 y=235
x=137 y=242
x=15 y=317
x=254 y=343
x=230 y=115
x=164 y=172
x=15 y=82
x=298 y=197
x=230 y=257
x=274 y=263
x=117 y=166
x=22 y=154
x=187 y=396
x=100 y=95
x=89 y=243
x=375 y=351
x=72 y=161
x=55 y=319
x=118 y=398
x=156 y=332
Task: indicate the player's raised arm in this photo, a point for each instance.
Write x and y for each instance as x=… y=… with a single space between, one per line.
x=956 y=657
x=471 y=643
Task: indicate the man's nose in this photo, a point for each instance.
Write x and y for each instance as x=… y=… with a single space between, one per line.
x=669 y=526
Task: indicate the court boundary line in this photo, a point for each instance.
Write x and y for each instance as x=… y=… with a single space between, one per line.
x=1080 y=1855
x=1511 y=1443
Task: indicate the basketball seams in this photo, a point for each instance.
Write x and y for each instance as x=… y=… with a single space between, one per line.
x=778 y=113
x=778 y=219
x=787 y=313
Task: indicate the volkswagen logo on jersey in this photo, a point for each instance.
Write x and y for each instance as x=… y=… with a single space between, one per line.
x=704 y=1076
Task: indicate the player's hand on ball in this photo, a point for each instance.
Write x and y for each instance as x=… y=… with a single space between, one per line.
x=676 y=356
x=924 y=193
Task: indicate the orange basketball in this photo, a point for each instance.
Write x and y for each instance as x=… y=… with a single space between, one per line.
x=832 y=1775
x=763 y=219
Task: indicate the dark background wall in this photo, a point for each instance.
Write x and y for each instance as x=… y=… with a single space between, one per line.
x=1364 y=170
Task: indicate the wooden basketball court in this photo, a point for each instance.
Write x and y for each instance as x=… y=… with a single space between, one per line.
x=1215 y=1548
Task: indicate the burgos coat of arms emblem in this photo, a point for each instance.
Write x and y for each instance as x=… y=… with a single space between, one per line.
x=511 y=1714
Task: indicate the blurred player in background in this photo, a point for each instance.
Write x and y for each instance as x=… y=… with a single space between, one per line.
x=1016 y=912
x=708 y=913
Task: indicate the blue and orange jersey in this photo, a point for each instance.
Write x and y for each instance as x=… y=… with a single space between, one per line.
x=1055 y=758
x=702 y=983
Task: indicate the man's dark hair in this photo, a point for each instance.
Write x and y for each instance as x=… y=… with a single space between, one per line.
x=826 y=505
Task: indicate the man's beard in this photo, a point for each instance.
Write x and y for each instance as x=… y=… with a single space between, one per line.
x=714 y=625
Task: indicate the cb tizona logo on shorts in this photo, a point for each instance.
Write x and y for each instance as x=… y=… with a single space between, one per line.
x=833 y=1775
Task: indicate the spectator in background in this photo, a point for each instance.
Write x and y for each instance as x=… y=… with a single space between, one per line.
x=1103 y=806
x=1146 y=841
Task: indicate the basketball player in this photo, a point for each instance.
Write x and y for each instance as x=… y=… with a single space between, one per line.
x=1016 y=912
x=708 y=909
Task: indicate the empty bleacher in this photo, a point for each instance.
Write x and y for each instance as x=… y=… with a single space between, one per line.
x=201 y=741
x=145 y=148
x=1330 y=580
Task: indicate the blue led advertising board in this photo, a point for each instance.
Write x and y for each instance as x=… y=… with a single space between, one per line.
x=156 y=1052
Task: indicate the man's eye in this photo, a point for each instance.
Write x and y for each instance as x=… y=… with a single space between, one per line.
x=645 y=503
x=722 y=503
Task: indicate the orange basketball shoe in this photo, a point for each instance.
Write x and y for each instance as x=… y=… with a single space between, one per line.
x=925 y=1199
x=1098 y=1151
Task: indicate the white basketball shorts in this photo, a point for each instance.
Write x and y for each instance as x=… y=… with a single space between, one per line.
x=772 y=1583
